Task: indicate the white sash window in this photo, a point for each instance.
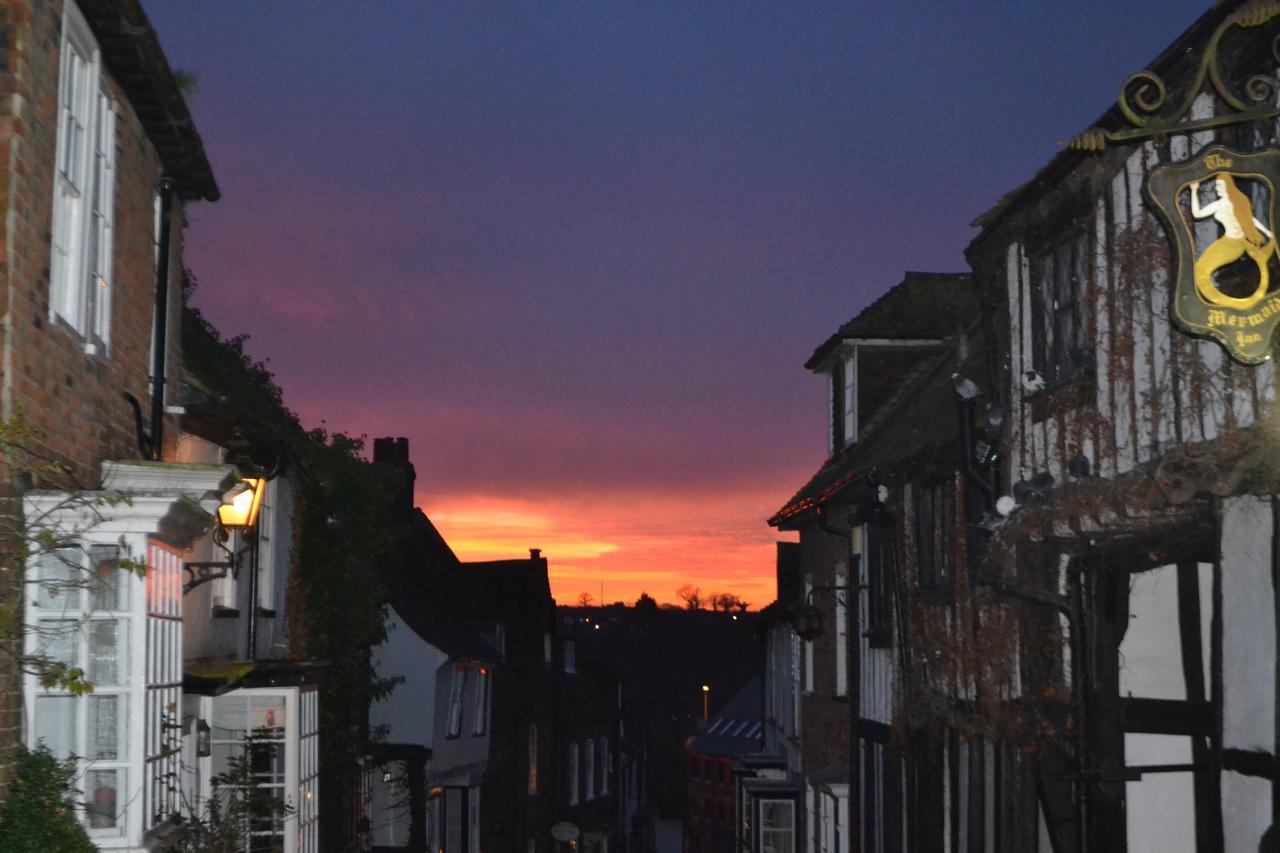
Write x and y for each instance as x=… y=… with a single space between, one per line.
x=84 y=187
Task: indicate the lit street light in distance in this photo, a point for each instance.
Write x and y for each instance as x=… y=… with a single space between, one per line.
x=706 y=701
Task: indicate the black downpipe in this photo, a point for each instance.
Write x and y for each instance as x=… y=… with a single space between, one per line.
x=252 y=640
x=162 y=323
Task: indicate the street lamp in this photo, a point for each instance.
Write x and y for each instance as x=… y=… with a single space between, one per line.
x=706 y=701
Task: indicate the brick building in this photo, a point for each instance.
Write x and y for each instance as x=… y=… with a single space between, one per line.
x=101 y=156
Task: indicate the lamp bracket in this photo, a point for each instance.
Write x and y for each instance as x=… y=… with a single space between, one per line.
x=203 y=572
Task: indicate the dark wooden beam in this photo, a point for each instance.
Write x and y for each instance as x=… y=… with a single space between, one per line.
x=1166 y=716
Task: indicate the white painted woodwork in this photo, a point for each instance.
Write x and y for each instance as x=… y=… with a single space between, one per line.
x=1249 y=630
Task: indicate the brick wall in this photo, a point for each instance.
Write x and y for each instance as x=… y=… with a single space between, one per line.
x=75 y=400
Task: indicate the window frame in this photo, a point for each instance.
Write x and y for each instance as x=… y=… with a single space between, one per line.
x=933 y=516
x=480 y=704
x=82 y=228
x=457 y=690
x=1058 y=302
x=879 y=564
x=76 y=579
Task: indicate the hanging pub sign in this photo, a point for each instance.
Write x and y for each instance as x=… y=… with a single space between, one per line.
x=1220 y=209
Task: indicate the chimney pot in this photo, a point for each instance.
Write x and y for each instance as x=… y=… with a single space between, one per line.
x=535 y=553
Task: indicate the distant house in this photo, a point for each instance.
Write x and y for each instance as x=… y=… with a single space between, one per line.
x=830 y=691
x=736 y=731
x=465 y=757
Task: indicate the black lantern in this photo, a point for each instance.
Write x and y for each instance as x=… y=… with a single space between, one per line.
x=807 y=621
x=203 y=747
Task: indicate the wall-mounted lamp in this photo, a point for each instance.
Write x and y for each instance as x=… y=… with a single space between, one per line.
x=807 y=621
x=238 y=512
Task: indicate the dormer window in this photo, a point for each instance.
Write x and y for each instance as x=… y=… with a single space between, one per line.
x=844 y=372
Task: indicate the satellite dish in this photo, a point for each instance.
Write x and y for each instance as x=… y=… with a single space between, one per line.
x=565 y=831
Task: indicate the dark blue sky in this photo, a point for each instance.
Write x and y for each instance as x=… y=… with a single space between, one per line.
x=579 y=252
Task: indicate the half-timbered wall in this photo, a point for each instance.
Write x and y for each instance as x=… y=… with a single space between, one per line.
x=1150 y=386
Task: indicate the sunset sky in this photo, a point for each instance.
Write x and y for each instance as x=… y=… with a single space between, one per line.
x=579 y=252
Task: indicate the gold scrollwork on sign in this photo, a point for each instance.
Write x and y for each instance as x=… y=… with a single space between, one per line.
x=1144 y=97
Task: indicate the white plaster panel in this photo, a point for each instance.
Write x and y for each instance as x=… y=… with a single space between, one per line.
x=1150 y=654
x=1160 y=806
x=409 y=712
x=1246 y=811
x=1248 y=637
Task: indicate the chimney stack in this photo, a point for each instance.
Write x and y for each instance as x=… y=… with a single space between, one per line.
x=535 y=553
x=394 y=453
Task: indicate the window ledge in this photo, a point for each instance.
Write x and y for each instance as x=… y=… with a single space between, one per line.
x=220 y=612
x=266 y=613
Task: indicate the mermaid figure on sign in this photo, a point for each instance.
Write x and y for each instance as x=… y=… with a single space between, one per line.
x=1242 y=234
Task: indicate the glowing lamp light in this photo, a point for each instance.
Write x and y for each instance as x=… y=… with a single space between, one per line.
x=240 y=512
x=706 y=688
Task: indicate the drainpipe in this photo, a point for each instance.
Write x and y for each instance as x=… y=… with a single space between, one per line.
x=161 y=321
x=252 y=639
x=852 y=596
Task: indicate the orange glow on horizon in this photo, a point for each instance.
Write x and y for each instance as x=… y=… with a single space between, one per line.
x=634 y=544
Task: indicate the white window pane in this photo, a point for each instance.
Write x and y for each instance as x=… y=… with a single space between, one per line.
x=266 y=715
x=60 y=580
x=106 y=645
x=58 y=641
x=104 y=727
x=102 y=800
x=110 y=586
x=55 y=724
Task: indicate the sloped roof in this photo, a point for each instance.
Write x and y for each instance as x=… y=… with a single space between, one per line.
x=923 y=306
x=920 y=416
x=737 y=729
x=425 y=585
x=137 y=63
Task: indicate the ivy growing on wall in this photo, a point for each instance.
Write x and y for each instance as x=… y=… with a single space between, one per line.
x=342 y=535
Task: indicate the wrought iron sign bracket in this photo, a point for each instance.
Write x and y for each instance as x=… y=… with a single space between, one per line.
x=1144 y=95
